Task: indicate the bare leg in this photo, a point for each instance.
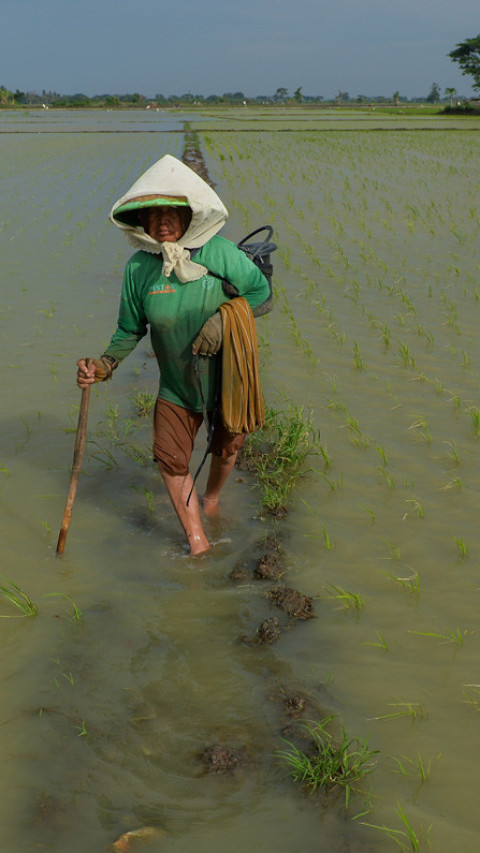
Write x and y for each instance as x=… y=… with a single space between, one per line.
x=220 y=470
x=178 y=488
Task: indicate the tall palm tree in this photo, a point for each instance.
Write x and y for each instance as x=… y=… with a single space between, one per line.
x=451 y=92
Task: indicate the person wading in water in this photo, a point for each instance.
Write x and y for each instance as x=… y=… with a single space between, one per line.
x=173 y=285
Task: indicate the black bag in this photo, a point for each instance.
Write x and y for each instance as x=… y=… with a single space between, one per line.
x=259 y=253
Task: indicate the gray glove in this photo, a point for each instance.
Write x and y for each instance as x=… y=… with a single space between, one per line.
x=209 y=339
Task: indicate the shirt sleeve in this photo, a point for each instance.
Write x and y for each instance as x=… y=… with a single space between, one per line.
x=132 y=323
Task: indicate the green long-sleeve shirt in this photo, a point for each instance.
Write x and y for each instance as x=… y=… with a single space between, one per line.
x=176 y=312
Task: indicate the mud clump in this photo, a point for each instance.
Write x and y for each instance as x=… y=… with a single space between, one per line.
x=240 y=573
x=268 y=567
x=292 y=602
x=222 y=760
x=294 y=706
x=268 y=633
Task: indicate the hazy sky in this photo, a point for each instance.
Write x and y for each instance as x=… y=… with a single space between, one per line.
x=367 y=47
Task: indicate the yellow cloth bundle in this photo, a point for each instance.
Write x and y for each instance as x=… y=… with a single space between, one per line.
x=242 y=402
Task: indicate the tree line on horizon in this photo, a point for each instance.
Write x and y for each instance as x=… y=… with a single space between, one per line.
x=466 y=55
x=280 y=97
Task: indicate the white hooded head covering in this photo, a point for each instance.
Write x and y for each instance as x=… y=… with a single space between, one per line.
x=170 y=182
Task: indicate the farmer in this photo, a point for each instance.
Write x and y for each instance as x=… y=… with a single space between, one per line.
x=173 y=284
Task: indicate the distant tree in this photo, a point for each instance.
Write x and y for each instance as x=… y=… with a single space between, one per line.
x=298 y=97
x=32 y=98
x=396 y=98
x=434 y=94
x=280 y=95
x=6 y=96
x=467 y=55
x=451 y=92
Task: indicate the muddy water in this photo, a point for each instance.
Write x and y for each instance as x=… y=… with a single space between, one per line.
x=104 y=717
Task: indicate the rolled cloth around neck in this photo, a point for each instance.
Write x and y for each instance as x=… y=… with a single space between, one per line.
x=169 y=182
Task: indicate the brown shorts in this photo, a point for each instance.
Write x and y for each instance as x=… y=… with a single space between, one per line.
x=174 y=431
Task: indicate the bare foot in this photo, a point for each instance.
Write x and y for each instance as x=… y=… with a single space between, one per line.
x=210 y=506
x=198 y=545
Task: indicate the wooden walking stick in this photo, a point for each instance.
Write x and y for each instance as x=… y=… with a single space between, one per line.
x=76 y=468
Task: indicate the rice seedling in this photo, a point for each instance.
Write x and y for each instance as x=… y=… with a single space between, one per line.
x=405 y=839
x=456 y=636
x=474 y=413
x=381 y=644
x=326 y=538
x=76 y=614
x=329 y=765
x=388 y=479
x=322 y=448
x=357 y=358
x=454 y=483
x=416 y=505
x=103 y=455
x=357 y=437
x=348 y=600
x=83 y=731
x=16 y=596
x=422 y=767
x=415 y=710
x=334 y=483
x=394 y=551
x=421 y=430
x=149 y=496
x=383 y=455
x=409 y=584
x=462 y=546
x=453 y=454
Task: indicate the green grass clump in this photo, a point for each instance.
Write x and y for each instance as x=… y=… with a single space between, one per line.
x=16 y=596
x=277 y=454
x=144 y=403
x=327 y=764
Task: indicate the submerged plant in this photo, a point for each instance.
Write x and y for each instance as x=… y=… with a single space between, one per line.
x=422 y=767
x=403 y=709
x=455 y=636
x=405 y=838
x=329 y=765
x=16 y=596
x=381 y=642
x=76 y=614
x=349 y=600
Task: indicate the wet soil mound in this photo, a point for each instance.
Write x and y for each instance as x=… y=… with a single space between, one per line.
x=222 y=760
x=292 y=602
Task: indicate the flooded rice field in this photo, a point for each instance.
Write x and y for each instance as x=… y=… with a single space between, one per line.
x=138 y=694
